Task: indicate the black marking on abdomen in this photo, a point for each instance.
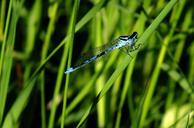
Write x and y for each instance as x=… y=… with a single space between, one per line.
x=101 y=54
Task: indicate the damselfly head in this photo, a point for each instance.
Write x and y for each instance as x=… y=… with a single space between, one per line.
x=129 y=40
x=133 y=36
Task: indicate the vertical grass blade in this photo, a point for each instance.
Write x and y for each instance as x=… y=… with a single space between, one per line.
x=3 y=10
x=124 y=92
x=191 y=64
x=156 y=71
x=71 y=32
x=5 y=35
x=97 y=29
x=6 y=57
x=45 y=47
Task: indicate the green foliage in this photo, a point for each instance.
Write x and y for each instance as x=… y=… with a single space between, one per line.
x=39 y=40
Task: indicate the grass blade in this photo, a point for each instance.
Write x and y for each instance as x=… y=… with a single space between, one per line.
x=71 y=32
x=156 y=71
x=6 y=57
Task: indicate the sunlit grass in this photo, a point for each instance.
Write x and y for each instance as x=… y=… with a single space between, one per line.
x=39 y=41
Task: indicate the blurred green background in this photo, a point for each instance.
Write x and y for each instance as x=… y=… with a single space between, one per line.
x=40 y=39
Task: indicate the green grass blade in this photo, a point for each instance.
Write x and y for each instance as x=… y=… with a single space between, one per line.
x=125 y=91
x=32 y=29
x=97 y=34
x=3 y=10
x=191 y=64
x=61 y=69
x=6 y=57
x=5 y=35
x=33 y=25
x=71 y=32
x=156 y=71
x=50 y=30
x=13 y=115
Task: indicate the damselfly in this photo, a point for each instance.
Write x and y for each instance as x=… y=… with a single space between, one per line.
x=122 y=41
